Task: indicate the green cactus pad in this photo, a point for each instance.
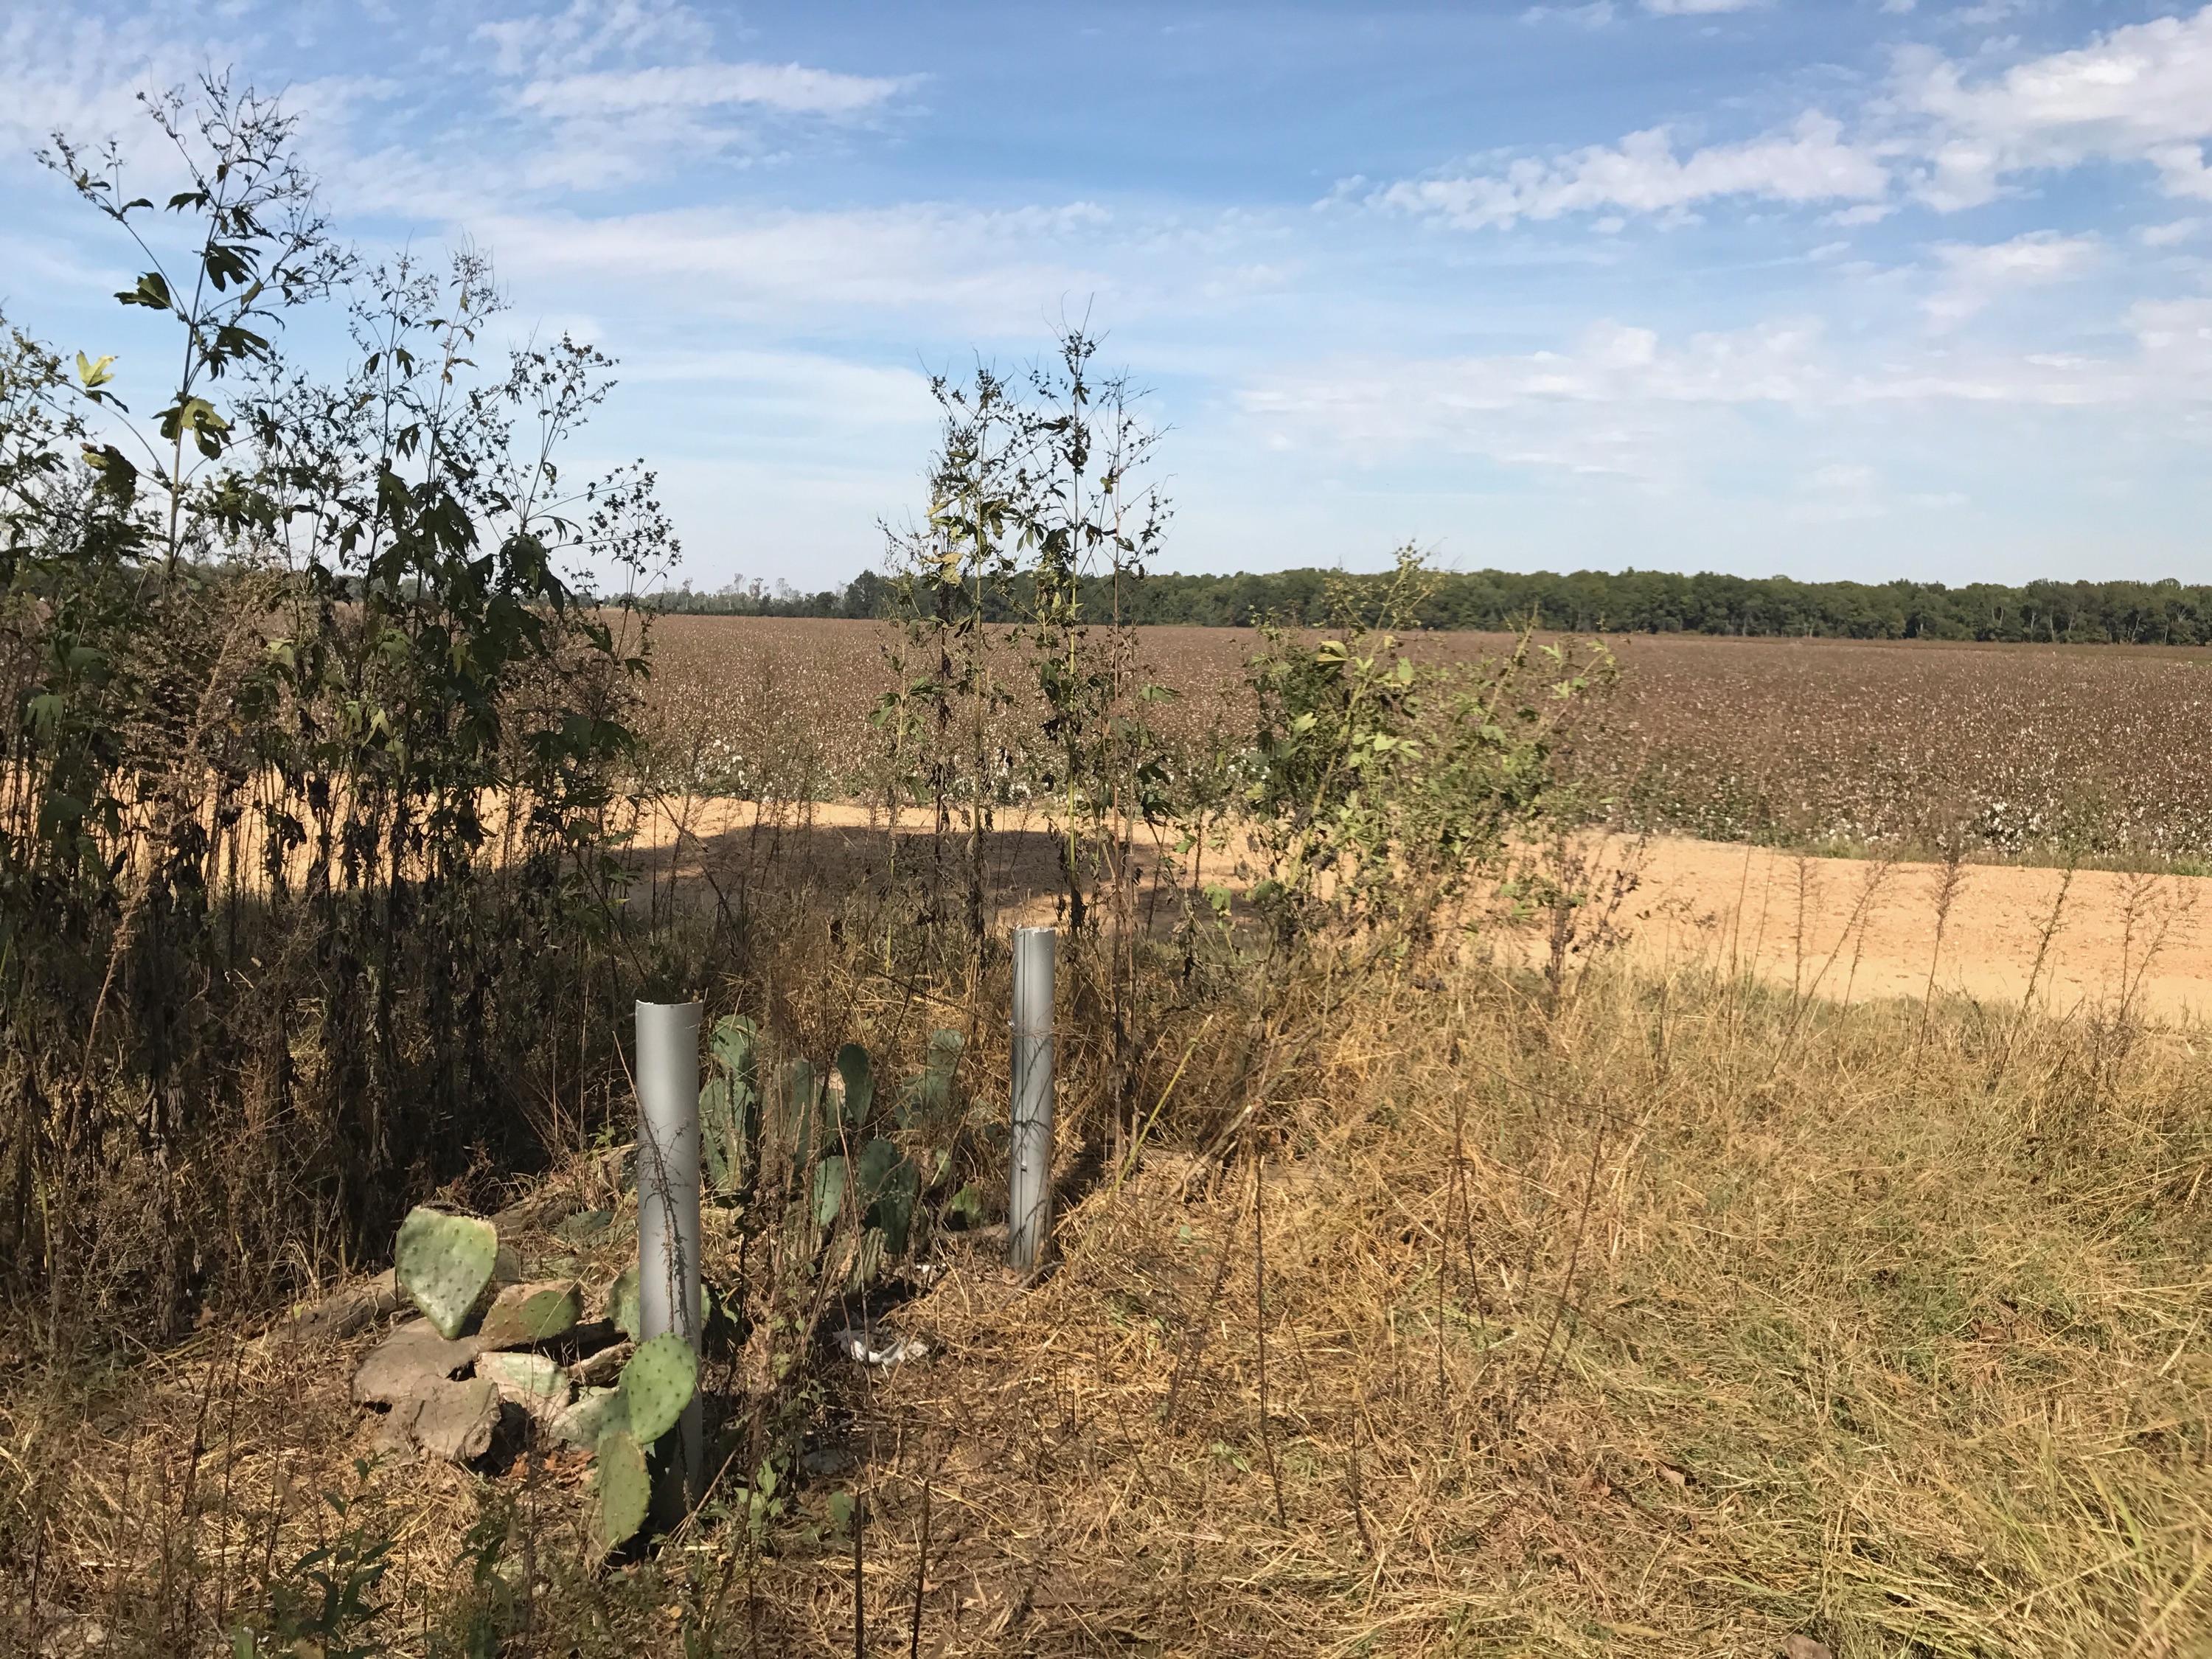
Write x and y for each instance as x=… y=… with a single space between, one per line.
x=444 y=1262
x=800 y=1097
x=729 y=1104
x=890 y=1187
x=596 y=1413
x=929 y=1092
x=622 y=1490
x=530 y=1381
x=858 y=1073
x=622 y=1303
x=734 y=1042
x=829 y=1189
x=657 y=1384
x=524 y=1313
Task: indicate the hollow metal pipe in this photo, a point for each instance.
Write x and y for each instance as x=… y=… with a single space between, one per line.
x=668 y=1216
x=1029 y=1212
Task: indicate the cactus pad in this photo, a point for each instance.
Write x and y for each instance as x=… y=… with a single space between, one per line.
x=444 y=1261
x=596 y=1413
x=929 y=1092
x=621 y=1489
x=729 y=1104
x=622 y=1303
x=858 y=1073
x=532 y=1381
x=524 y=1313
x=889 y=1186
x=829 y=1189
x=657 y=1384
x=802 y=1093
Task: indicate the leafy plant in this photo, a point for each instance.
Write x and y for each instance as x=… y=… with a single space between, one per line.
x=324 y=1602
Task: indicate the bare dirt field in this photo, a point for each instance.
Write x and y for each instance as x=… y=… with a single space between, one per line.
x=1853 y=929
x=2089 y=944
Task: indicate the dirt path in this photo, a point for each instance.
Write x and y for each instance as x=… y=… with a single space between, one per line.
x=1841 y=929
x=1851 y=929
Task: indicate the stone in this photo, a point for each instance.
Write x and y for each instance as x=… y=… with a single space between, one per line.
x=406 y=1363
x=601 y=1368
x=339 y=1315
x=455 y=1420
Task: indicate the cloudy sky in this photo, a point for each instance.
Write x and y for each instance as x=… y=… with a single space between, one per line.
x=1861 y=287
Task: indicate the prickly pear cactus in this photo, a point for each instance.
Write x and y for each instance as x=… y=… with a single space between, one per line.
x=596 y=1413
x=729 y=1104
x=622 y=1303
x=801 y=1110
x=621 y=1488
x=656 y=1386
x=529 y=1380
x=444 y=1262
x=858 y=1073
x=890 y=1185
x=929 y=1092
x=829 y=1189
x=524 y=1313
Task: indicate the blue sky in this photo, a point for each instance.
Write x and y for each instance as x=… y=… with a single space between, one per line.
x=1864 y=288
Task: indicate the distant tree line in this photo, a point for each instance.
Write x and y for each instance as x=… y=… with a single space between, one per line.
x=2164 y=612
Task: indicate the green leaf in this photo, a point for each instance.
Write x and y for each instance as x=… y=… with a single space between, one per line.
x=152 y=291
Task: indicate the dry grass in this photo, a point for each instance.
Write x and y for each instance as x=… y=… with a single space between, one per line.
x=1684 y=1319
x=1636 y=1313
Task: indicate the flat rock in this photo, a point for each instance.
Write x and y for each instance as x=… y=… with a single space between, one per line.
x=406 y=1363
x=455 y=1420
x=527 y=1313
x=601 y=1368
x=339 y=1315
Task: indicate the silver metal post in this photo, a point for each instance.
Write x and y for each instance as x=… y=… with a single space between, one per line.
x=668 y=1216
x=1029 y=1213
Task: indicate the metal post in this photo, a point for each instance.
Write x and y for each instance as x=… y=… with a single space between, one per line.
x=1029 y=1213
x=668 y=1218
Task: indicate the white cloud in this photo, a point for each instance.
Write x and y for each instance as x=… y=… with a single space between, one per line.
x=1698 y=7
x=2166 y=235
x=2140 y=93
x=1839 y=493
x=1627 y=403
x=993 y=271
x=790 y=89
x=1643 y=174
x=587 y=31
x=1616 y=404
x=82 y=75
x=1598 y=14
x=2179 y=333
x=1973 y=274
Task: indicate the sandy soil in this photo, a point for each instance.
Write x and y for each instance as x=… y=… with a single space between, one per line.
x=1839 y=928
x=1851 y=929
